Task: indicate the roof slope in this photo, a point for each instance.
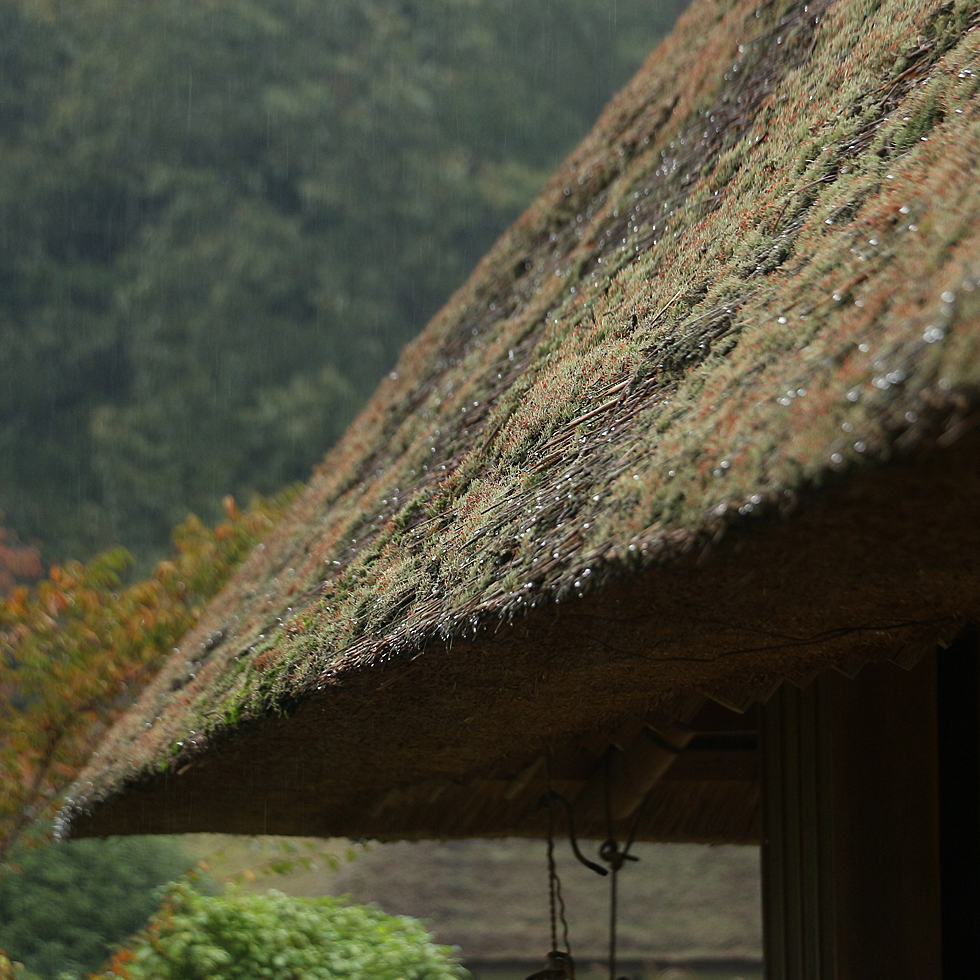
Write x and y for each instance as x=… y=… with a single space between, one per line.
x=754 y=285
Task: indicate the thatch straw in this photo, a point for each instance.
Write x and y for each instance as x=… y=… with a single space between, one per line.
x=699 y=422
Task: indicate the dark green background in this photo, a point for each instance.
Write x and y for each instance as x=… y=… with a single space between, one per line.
x=220 y=221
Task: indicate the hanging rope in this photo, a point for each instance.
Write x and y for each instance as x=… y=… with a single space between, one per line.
x=613 y=915
x=616 y=858
x=609 y=852
x=552 y=877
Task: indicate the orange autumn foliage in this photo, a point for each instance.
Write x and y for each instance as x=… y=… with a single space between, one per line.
x=18 y=562
x=77 y=647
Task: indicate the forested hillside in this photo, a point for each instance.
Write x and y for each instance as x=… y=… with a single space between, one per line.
x=220 y=221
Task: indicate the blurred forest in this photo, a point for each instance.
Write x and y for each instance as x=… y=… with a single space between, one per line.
x=220 y=220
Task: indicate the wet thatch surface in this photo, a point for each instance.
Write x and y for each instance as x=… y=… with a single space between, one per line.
x=699 y=422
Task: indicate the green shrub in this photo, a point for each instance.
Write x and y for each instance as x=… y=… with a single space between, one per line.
x=194 y=937
x=71 y=903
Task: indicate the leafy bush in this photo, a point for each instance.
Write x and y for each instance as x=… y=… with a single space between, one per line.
x=71 y=903
x=14 y=970
x=241 y=937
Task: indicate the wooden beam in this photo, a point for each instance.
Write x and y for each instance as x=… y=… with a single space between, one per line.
x=632 y=773
x=715 y=765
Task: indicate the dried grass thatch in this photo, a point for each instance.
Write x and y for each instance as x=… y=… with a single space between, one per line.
x=700 y=422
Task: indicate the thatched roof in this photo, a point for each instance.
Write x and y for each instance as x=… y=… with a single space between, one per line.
x=700 y=422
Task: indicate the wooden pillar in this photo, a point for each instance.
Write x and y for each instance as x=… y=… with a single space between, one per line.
x=958 y=713
x=851 y=871
x=797 y=851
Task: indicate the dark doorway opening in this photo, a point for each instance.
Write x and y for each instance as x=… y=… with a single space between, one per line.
x=958 y=718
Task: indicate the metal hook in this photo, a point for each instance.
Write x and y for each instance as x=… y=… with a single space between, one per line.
x=610 y=853
x=552 y=796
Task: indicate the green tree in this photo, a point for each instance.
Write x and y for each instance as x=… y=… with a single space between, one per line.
x=239 y=937
x=222 y=221
x=69 y=904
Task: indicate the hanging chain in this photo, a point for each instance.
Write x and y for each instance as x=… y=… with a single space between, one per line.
x=556 y=901
x=561 y=914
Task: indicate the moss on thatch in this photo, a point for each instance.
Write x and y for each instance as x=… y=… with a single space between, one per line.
x=758 y=275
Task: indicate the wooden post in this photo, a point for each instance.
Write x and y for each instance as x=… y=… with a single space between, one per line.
x=797 y=851
x=851 y=871
x=958 y=713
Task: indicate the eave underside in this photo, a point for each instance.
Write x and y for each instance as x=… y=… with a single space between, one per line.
x=464 y=740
